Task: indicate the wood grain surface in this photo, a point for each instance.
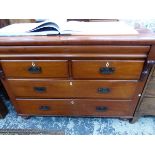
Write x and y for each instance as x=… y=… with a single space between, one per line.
x=20 y=68
x=123 y=69
x=72 y=88
x=74 y=107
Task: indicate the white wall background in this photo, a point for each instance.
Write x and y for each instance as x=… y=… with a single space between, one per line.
x=135 y=9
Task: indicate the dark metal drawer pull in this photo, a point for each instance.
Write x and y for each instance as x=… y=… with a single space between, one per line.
x=44 y=108
x=40 y=89
x=103 y=90
x=107 y=70
x=101 y=108
x=35 y=69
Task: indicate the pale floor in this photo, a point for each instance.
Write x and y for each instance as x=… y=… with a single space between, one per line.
x=79 y=126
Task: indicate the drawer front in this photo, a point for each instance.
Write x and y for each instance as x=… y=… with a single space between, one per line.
x=35 y=68
x=70 y=51
x=107 y=69
x=76 y=89
x=74 y=107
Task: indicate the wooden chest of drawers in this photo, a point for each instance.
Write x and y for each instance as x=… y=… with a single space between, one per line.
x=98 y=76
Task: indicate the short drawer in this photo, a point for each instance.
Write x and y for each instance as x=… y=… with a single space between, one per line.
x=47 y=88
x=73 y=107
x=35 y=68
x=107 y=69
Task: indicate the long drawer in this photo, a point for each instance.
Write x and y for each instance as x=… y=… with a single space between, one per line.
x=107 y=69
x=75 y=50
x=73 y=107
x=35 y=68
x=48 y=88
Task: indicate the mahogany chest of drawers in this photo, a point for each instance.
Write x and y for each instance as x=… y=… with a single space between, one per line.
x=98 y=76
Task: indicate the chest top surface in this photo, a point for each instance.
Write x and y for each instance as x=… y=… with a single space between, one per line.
x=145 y=37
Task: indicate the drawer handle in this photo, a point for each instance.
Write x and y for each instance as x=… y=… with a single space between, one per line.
x=40 y=89
x=107 y=70
x=103 y=90
x=35 y=69
x=44 y=108
x=101 y=108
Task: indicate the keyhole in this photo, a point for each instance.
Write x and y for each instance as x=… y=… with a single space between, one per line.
x=33 y=64
x=107 y=64
x=72 y=102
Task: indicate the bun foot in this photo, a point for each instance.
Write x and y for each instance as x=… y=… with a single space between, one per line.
x=124 y=119
x=26 y=117
x=133 y=120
